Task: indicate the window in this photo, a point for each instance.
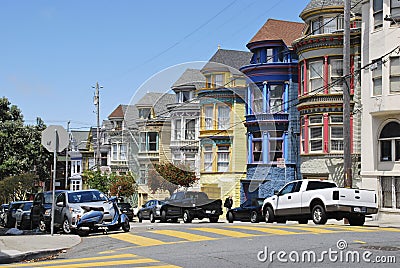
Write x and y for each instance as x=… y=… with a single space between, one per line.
x=303 y=133
x=208 y=117
x=287 y=189
x=114 y=152
x=275 y=98
x=378 y=13
x=257 y=146
x=148 y=141
x=177 y=129
x=316 y=26
x=269 y=55
x=389 y=140
x=315 y=130
x=390 y=187
x=330 y=25
x=301 y=79
x=75 y=185
x=144 y=113
x=219 y=80
x=336 y=131
x=119 y=151
x=316 y=75
x=176 y=158
x=336 y=75
x=143 y=174
x=257 y=100
x=190 y=161
x=223 y=117
x=377 y=78
x=183 y=96
x=76 y=167
x=122 y=151
x=190 y=129
x=208 y=153
x=316 y=185
x=275 y=146
x=223 y=159
x=395 y=11
x=394 y=74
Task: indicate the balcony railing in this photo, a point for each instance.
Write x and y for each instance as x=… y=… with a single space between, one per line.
x=267 y=117
x=185 y=143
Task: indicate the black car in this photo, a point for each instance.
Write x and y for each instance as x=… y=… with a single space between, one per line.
x=127 y=209
x=150 y=211
x=250 y=210
x=9 y=219
x=41 y=210
x=23 y=215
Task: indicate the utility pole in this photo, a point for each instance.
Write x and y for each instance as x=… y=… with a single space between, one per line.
x=346 y=97
x=66 y=156
x=97 y=104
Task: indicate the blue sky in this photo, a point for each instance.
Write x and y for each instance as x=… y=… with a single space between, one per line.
x=53 y=52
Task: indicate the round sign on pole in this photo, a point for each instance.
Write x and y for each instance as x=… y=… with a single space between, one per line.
x=49 y=138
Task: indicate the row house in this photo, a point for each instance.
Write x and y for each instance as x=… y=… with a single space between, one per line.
x=185 y=120
x=222 y=131
x=271 y=114
x=380 y=146
x=320 y=91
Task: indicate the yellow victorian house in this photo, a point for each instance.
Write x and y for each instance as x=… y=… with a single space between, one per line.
x=222 y=131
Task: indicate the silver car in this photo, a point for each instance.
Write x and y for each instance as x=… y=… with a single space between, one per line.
x=70 y=207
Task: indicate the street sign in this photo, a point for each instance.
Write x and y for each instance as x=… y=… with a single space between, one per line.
x=281 y=163
x=49 y=138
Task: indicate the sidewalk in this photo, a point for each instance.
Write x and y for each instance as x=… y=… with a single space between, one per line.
x=15 y=248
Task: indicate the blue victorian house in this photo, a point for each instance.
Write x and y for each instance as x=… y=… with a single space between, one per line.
x=272 y=118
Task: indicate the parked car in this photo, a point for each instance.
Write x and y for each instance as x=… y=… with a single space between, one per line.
x=127 y=209
x=150 y=211
x=250 y=210
x=69 y=209
x=41 y=210
x=23 y=215
x=3 y=211
x=319 y=200
x=9 y=220
x=189 y=205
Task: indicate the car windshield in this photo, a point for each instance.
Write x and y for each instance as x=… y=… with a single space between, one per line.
x=86 y=196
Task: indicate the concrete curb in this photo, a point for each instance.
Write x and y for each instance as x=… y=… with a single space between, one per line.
x=23 y=256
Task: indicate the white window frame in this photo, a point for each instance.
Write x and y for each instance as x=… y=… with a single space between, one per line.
x=316 y=76
x=391 y=190
x=336 y=141
x=208 y=117
x=336 y=75
x=376 y=74
x=208 y=158
x=223 y=157
x=314 y=123
x=274 y=106
x=224 y=112
x=395 y=75
x=178 y=129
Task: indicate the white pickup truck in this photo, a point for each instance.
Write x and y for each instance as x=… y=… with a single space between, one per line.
x=319 y=200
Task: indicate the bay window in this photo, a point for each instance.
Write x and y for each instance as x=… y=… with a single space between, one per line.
x=315 y=132
x=336 y=75
x=223 y=117
x=275 y=98
x=316 y=75
x=257 y=146
x=208 y=157
x=275 y=145
x=336 y=133
x=208 y=117
x=119 y=151
x=149 y=141
x=190 y=129
x=177 y=129
x=223 y=159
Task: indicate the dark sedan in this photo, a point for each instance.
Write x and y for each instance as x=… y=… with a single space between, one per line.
x=250 y=210
x=127 y=209
x=150 y=211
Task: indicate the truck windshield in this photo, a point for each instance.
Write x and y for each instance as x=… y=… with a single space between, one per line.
x=314 y=185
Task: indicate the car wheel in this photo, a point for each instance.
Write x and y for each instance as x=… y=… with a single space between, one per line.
x=230 y=217
x=254 y=216
x=269 y=215
x=42 y=226
x=303 y=221
x=356 y=220
x=163 y=215
x=126 y=226
x=318 y=215
x=66 y=228
x=213 y=219
x=152 y=219
x=139 y=215
x=187 y=218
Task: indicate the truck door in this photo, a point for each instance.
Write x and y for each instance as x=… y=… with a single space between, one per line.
x=289 y=200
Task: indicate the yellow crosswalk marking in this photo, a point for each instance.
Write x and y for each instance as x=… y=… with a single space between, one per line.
x=388 y=229
x=183 y=235
x=354 y=228
x=265 y=230
x=102 y=264
x=222 y=232
x=315 y=230
x=138 y=240
x=99 y=258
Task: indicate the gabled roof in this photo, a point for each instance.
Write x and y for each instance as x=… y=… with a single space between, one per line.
x=158 y=101
x=321 y=4
x=79 y=138
x=287 y=31
x=232 y=58
x=118 y=112
x=190 y=77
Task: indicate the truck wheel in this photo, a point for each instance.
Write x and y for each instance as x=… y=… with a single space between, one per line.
x=303 y=221
x=140 y=218
x=152 y=219
x=318 y=215
x=269 y=215
x=254 y=216
x=65 y=226
x=357 y=220
x=186 y=217
x=213 y=219
x=230 y=217
x=164 y=216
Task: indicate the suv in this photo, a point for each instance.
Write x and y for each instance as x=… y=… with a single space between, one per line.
x=41 y=210
x=69 y=207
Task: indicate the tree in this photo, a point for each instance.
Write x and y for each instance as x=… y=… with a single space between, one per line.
x=122 y=185
x=17 y=187
x=96 y=180
x=20 y=145
x=169 y=177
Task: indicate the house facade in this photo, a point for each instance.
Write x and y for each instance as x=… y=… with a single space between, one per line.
x=271 y=113
x=380 y=146
x=320 y=91
x=185 y=120
x=222 y=132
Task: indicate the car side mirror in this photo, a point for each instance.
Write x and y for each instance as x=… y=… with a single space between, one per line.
x=276 y=192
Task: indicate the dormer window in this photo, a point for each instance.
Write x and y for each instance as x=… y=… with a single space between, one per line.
x=183 y=96
x=144 y=113
x=215 y=81
x=118 y=125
